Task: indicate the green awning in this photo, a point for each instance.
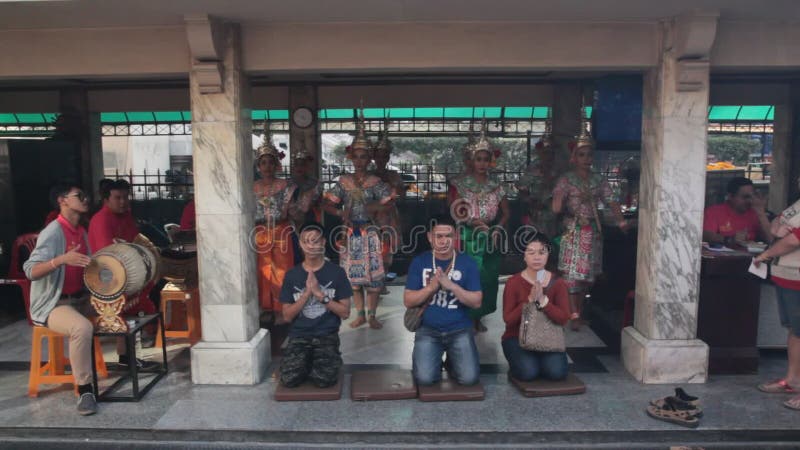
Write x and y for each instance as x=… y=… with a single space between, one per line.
x=716 y=113
x=719 y=113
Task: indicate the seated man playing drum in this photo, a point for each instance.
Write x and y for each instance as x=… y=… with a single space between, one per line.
x=58 y=298
x=316 y=297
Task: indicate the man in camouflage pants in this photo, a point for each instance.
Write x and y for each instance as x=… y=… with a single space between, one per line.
x=316 y=296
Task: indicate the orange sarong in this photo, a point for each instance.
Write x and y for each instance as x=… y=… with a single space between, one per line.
x=275 y=258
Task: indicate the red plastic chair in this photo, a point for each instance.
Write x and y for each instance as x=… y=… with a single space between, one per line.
x=16 y=275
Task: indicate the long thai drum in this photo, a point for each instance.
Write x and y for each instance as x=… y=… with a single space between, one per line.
x=120 y=269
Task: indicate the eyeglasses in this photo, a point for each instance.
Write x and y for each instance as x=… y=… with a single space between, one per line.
x=80 y=195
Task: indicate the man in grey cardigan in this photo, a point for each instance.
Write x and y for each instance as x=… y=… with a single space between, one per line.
x=58 y=299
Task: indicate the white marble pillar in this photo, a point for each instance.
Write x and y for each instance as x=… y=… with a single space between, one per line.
x=233 y=350
x=662 y=347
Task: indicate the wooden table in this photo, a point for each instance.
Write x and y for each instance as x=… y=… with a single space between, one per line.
x=728 y=312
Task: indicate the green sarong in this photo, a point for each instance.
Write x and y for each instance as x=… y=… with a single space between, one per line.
x=475 y=244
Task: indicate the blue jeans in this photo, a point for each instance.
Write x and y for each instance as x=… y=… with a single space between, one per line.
x=462 y=356
x=526 y=365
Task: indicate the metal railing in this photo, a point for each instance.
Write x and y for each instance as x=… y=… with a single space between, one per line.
x=157 y=184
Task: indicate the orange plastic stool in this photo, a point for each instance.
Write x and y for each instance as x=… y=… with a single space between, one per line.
x=190 y=297
x=52 y=372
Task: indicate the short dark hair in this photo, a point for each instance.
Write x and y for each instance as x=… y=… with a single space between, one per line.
x=310 y=226
x=737 y=183
x=60 y=189
x=441 y=219
x=539 y=237
x=115 y=185
x=103 y=187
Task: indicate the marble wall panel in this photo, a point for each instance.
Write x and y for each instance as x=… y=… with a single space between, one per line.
x=223 y=181
x=226 y=259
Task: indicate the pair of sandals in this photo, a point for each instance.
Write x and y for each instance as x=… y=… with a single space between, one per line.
x=782 y=387
x=681 y=409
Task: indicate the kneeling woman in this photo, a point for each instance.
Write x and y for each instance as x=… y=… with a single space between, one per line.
x=535 y=284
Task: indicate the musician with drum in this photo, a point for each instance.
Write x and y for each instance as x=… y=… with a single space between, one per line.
x=113 y=222
x=58 y=299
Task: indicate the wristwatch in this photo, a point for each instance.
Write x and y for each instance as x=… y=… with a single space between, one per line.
x=325 y=299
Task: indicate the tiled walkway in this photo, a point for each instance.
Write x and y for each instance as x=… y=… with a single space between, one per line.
x=177 y=413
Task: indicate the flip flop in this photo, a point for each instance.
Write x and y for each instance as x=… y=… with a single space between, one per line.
x=793 y=403
x=776 y=387
x=676 y=404
x=682 y=418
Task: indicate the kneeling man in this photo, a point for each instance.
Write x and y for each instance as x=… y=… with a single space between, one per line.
x=316 y=296
x=448 y=282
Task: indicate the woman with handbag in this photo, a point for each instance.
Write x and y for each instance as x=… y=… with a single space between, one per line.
x=535 y=309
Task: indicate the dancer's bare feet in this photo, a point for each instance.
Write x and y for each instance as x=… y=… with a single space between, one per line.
x=360 y=320
x=374 y=323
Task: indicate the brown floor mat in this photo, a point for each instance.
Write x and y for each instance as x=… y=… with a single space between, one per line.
x=382 y=384
x=308 y=392
x=545 y=388
x=449 y=391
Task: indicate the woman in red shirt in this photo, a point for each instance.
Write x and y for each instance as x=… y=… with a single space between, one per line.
x=535 y=284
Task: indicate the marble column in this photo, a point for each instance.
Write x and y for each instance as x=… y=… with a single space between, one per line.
x=662 y=347
x=781 y=169
x=233 y=350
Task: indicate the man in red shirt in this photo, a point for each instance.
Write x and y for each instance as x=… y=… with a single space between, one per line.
x=115 y=221
x=742 y=217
